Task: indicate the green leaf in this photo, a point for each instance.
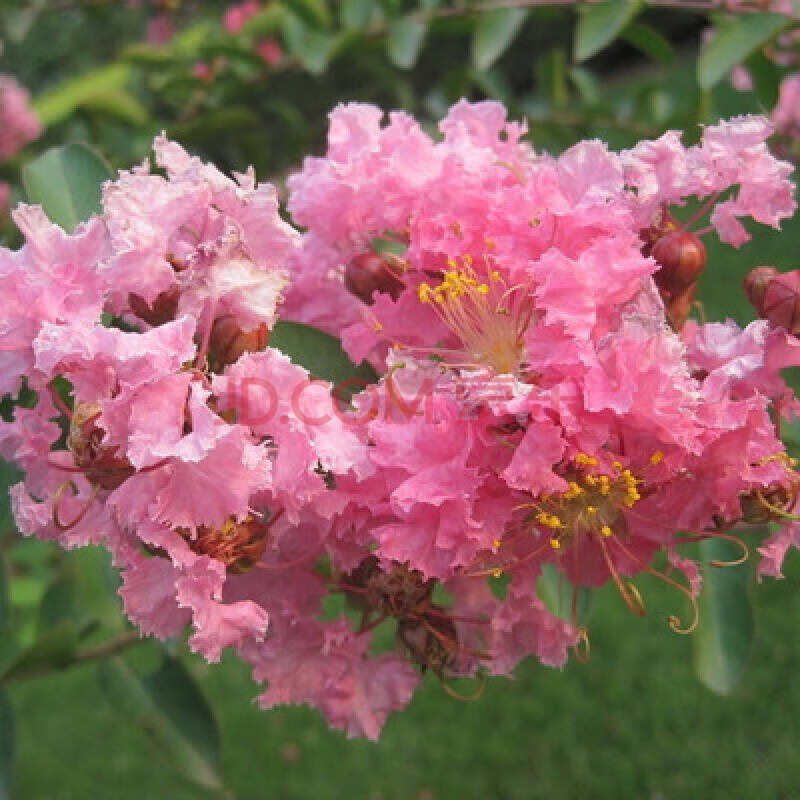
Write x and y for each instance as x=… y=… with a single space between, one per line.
x=173 y=711
x=312 y=48
x=267 y=22
x=120 y=104
x=356 y=14
x=723 y=641
x=790 y=434
x=600 y=23
x=405 y=39
x=6 y=746
x=55 y=649
x=493 y=34
x=66 y=182
x=586 y=84
x=96 y=583
x=650 y=42
x=313 y=12
x=9 y=475
x=19 y=22
x=766 y=78
x=734 y=40
x=58 y=605
x=209 y=127
x=321 y=354
x=62 y=101
x=551 y=77
x=560 y=596
x=5 y=605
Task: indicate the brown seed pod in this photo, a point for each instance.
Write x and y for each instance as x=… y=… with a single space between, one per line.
x=394 y=593
x=431 y=641
x=369 y=273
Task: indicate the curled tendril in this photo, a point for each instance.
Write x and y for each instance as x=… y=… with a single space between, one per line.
x=777 y=510
x=675 y=623
x=583 y=646
x=634 y=599
x=57 y=498
x=480 y=677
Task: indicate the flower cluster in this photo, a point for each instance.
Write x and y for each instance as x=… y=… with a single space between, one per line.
x=543 y=405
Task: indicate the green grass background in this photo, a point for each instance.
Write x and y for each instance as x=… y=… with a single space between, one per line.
x=632 y=723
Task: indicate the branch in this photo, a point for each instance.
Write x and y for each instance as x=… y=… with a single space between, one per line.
x=109 y=648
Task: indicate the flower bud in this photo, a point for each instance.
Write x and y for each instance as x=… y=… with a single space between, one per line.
x=755 y=285
x=162 y=310
x=369 y=273
x=229 y=341
x=776 y=296
x=682 y=258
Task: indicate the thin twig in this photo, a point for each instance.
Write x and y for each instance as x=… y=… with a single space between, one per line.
x=109 y=648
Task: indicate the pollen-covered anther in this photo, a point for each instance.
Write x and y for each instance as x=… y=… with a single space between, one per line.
x=592 y=504
x=488 y=317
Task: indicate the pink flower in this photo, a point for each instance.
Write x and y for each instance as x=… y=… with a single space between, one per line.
x=160 y=29
x=786 y=114
x=270 y=51
x=542 y=410
x=18 y=122
x=203 y=71
x=195 y=243
x=239 y=14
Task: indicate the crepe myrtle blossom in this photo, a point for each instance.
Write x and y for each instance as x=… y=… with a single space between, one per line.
x=544 y=406
x=786 y=114
x=19 y=124
x=155 y=464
